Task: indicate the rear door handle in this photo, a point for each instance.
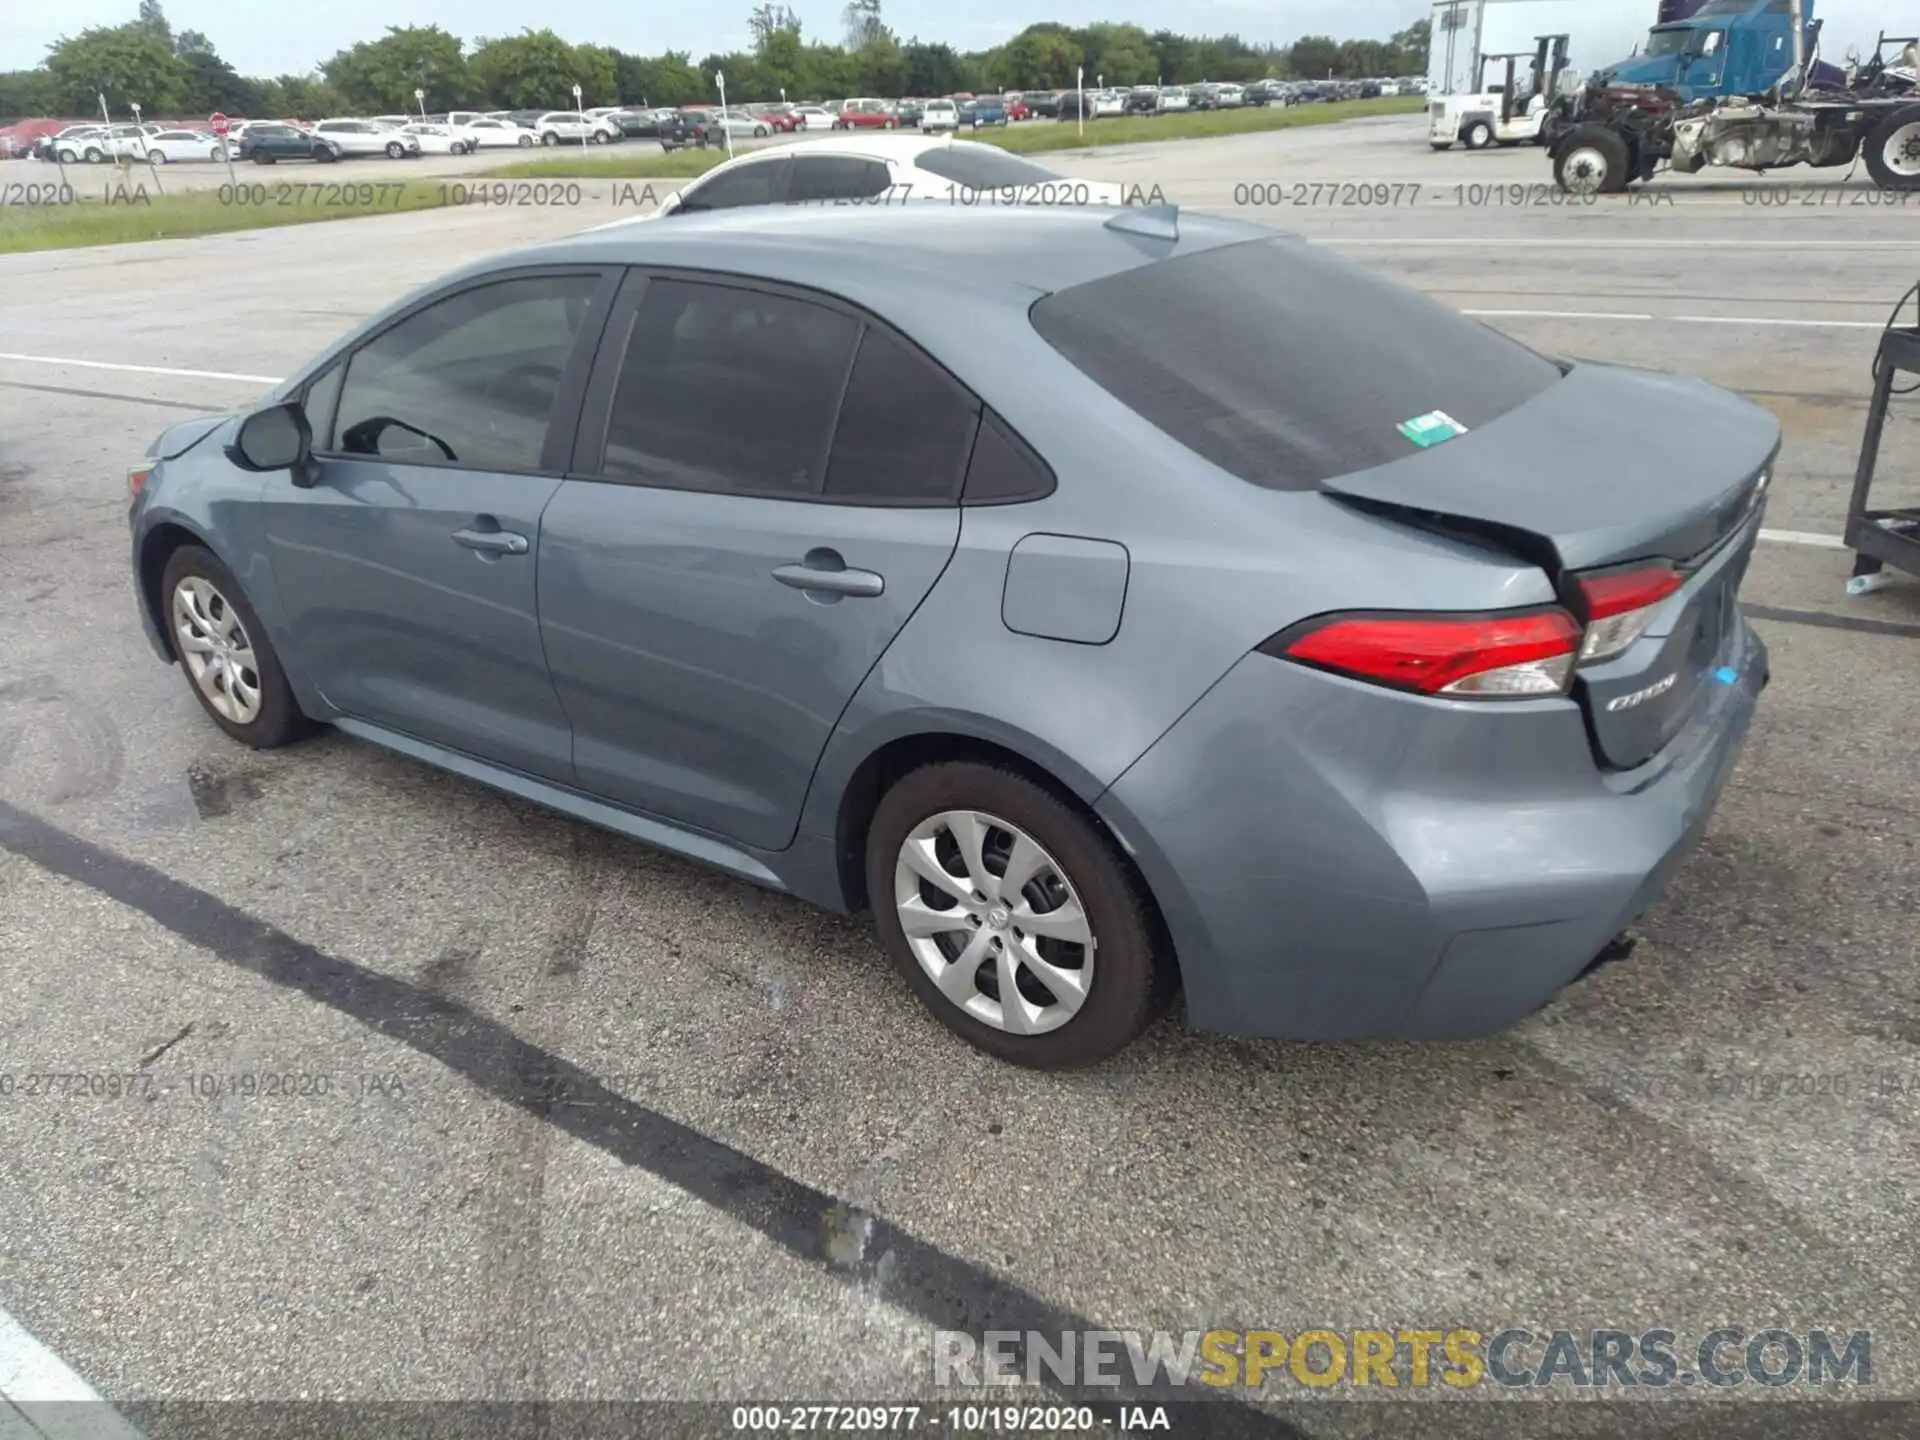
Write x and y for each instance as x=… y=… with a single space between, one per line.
x=824 y=572
x=492 y=542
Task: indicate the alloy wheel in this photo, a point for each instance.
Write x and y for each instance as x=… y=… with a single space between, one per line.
x=216 y=649
x=994 y=921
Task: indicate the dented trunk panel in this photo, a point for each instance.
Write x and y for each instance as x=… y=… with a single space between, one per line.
x=1639 y=701
x=1611 y=464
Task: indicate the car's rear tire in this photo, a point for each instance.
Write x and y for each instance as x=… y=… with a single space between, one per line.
x=1441 y=144
x=1592 y=159
x=261 y=157
x=550 y=138
x=223 y=650
x=526 y=142
x=1075 y=1003
x=325 y=155
x=219 y=155
x=156 y=157
x=94 y=156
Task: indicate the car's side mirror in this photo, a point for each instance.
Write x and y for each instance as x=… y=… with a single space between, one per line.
x=277 y=438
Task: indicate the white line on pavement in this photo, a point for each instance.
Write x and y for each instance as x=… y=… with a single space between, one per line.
x=1678 y=319
x=1613 y=242
x=139 y=369
x=53 y=1400
x=1804 y=537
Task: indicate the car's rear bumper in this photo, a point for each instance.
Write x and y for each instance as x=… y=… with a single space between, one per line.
x=1335 y=861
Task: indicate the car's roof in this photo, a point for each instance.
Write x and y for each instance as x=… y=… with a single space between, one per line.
x=891 y=255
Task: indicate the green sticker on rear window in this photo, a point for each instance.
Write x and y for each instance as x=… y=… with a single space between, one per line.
x=1431 y=428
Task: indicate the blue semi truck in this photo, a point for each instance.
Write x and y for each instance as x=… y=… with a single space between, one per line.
x=1739 y=83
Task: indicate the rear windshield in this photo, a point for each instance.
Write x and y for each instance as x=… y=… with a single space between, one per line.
x=1282 y=363
x=982 y=167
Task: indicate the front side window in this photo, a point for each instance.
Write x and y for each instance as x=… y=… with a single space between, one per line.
x=727 y=390
x=471 y=380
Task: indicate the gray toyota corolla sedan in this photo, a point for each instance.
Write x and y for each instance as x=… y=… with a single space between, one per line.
x=1114 y=601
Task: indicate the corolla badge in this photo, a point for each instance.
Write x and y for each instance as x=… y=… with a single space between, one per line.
x=1640 y=697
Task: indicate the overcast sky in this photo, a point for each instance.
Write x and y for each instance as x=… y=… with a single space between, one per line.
x=263 y=39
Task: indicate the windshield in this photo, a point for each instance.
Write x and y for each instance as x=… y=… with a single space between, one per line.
x=1725 y=7
x=982 y=167
x=1283 y=363
x=1668 y=42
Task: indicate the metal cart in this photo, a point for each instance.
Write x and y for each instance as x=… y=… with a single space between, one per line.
x=1882 y=537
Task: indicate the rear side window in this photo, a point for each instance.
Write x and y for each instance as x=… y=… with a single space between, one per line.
x=1283 y=364
x=837 y=177
x=760 y=182
x=905 y=428
x=727 y=390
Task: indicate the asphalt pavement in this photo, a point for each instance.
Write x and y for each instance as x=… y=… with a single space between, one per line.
x=439 y=1097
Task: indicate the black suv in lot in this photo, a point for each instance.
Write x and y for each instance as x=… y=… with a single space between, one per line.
x=266 y=142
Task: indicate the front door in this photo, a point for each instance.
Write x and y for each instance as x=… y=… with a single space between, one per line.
x=730 y=560
x=406 y=574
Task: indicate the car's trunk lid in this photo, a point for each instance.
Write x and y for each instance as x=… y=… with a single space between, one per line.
x=1606 y=467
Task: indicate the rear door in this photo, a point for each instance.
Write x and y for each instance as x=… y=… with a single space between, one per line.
x=713 y=591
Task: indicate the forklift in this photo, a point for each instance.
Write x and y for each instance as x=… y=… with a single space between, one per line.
x=1505 y=115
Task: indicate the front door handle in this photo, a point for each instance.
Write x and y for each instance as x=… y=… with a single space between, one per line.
x=492 y=542
x=824 y=572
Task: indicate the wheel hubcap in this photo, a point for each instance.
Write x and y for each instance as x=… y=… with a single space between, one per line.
x=994 y=921
x=216 y=649
x=1903 y=150
x=1586 y=168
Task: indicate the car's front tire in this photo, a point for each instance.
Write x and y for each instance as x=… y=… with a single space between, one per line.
x=550 y=138
x=982 y=882
x=526 y=142
x=224 y=652
x=156 y=157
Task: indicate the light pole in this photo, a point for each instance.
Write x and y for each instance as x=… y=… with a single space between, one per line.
x=726 y=127
x=420 y=101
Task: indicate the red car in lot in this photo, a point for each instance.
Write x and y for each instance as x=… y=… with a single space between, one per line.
x=1018 y=109
x=867 y=115
x=781 y=122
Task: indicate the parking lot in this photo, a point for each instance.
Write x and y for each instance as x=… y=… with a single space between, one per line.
x=770 y=1174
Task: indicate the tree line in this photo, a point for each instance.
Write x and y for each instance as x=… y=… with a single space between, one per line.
x=171 y=73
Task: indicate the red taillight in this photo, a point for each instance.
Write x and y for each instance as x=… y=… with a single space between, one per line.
x=1514 y=654
x=136 y=477
x=1621 y=604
